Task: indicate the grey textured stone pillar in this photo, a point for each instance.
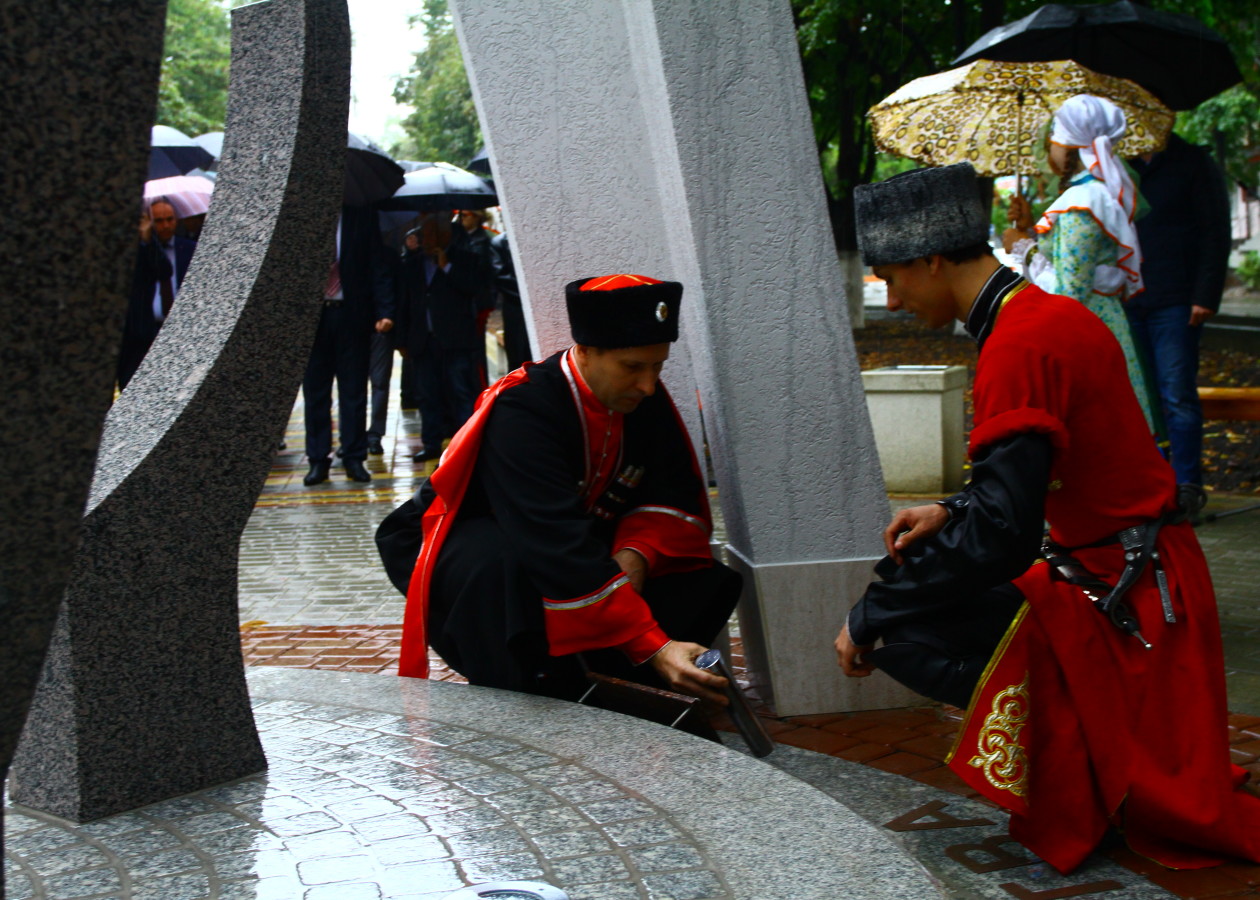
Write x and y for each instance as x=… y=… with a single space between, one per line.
x=78 y=84
x=673 y=138
x=143 y=695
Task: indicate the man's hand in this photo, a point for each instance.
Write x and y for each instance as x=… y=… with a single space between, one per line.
x=1019 y=214
x=1011 y=237
x=850 y=655
x=384 y=325
x=675 y=662
x=146 y=228
x=1200 y=314
x=635 y=566
x=911 y=525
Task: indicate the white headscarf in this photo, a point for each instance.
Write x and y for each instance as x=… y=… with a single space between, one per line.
x=1093 y=126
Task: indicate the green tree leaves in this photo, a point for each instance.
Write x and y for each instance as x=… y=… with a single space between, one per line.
x=192 y=95
x=444 y=126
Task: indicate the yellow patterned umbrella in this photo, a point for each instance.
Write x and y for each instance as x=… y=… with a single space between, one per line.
x=991 y=113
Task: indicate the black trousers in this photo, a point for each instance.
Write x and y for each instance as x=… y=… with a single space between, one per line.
x=342 y=352
x=446 y=389
x=486 y=619
x=381 y=366
x=944 y=658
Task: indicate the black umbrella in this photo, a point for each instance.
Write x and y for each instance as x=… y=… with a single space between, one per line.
x=480 y=163
x=1177 y=58
x=371 y=175
x=171 y=152
x=441 y=186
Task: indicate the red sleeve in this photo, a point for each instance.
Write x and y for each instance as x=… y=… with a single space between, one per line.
x=670 y=539
x=1018 y=421
x=1018 y=390
x=615 y=615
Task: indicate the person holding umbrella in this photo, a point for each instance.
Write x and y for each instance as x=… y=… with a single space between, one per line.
x=162 y=261
x=1086 y=245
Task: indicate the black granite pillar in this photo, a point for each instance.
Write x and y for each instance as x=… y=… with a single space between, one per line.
x=143 y=694
x=78 y=86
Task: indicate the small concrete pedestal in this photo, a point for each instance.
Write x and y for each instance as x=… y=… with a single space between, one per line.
x=917 y=415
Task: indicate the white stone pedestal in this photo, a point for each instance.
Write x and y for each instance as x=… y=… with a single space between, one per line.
x=917 y=415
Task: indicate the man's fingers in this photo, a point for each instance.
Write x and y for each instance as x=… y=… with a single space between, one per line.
x=706 y=686
x=699 y=683
x=894 y=530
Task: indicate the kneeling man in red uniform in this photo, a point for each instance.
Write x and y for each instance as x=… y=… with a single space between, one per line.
x=567 y=526
x=1090 y=667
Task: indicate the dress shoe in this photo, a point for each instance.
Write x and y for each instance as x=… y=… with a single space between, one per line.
x=374 y=445
x=426 y=454
x=355 y=470
x=318 y=473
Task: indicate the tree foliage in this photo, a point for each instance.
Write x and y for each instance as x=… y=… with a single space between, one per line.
x=444 y=125
x=855 y=53
x=1228 y=122
x=192 y=95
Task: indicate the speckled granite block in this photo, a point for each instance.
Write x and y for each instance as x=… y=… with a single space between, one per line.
x=143 y=695
x=78 y=81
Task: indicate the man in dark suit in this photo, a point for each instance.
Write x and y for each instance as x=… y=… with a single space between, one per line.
x=1185 y=256
x=515 y=331
x=358 y=301
x=162 y=260
x=438 y=329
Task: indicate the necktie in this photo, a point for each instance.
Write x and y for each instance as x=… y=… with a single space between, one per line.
x=334 y=280
x=166 y=292
x=168 y=295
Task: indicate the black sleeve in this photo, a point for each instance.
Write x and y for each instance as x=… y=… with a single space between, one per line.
x=527 y=471
x=383 y=282
x=1213 y=233
x=502 y=267
x=993 y=542
x=465 y=274
x=402 y=270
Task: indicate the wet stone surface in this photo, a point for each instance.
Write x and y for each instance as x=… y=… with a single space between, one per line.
x=373 y=806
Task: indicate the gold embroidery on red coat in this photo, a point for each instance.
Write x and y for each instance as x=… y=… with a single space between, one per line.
x=1000 y=754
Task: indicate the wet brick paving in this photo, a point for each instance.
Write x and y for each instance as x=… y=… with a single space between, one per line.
x=361 y=805
x=313 y=595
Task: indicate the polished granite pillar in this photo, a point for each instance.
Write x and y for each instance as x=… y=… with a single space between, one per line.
x=78 y=85
x=672 y=138
x=143 y=694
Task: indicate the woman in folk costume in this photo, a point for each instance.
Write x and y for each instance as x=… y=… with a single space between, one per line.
x=1086 y=244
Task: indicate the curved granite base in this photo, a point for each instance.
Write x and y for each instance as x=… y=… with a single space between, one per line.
x=388 y=787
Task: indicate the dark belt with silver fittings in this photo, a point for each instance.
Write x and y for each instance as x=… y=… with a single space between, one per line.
x=1140 y=551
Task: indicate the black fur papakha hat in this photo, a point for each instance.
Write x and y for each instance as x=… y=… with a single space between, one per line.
x=920 y=213
x=615 y=311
